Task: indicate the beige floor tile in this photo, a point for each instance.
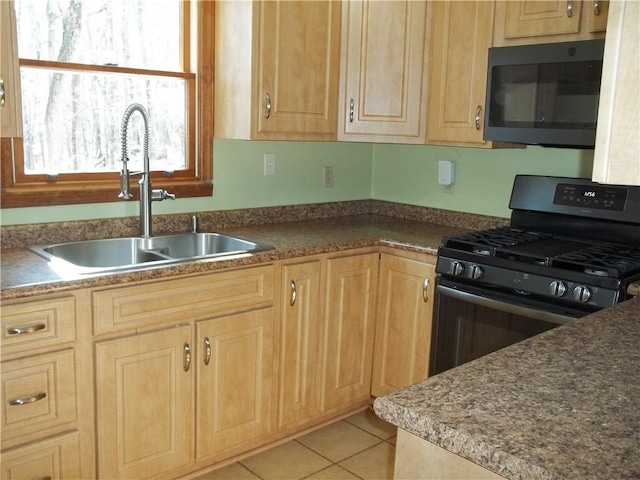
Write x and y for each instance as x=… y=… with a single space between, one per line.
x=338 y=441
x=373 y=464
x=370 y=422
x=234 y=471
x=334 y=472
x=288 y=461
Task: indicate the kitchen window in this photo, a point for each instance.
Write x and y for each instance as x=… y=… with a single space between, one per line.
x=81 y=64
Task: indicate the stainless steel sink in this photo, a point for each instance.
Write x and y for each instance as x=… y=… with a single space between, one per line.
x=130 y=253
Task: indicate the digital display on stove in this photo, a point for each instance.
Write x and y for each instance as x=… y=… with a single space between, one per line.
x=598 y=196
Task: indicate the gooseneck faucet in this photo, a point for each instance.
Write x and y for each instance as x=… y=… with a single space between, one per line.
x=147 y=195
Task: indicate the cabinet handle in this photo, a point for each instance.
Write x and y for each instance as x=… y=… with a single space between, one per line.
x=186 y=362
x=267 y=106
x=2 y=94
x=294 y=294
x=28 y=400
x=478 y=114
x=23 y=330
x=425 y=290
x=351 y=110
x=207 y=350
x=596 y=7
x=569 y=8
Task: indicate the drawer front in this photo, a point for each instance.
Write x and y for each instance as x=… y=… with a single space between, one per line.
x=31 y=325
x=38 y=393
x=55 y=458
x=128 y=308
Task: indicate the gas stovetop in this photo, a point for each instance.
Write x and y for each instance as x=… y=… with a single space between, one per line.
x=570 y=241
x=543 y=249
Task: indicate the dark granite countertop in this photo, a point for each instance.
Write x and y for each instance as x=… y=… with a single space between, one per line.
x=561 y=405
x=26 y=274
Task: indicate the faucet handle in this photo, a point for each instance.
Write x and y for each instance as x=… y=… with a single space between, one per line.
x=159 y=195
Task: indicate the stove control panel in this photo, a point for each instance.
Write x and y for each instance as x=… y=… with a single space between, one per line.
x=527 y=283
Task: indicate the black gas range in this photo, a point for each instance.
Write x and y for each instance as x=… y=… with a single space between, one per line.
x=570 y=241
x=572 y=247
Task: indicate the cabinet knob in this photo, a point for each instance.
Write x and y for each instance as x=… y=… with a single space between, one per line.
x=27 y=400
x=207 y=350
x=351 y=110
x=569 y=8
x=267 y=106
x=478 y=116
x=292 y=299
x=2 y=94
x=425 y=290
x=596 y=7
x=186 y=360
x=25 y=330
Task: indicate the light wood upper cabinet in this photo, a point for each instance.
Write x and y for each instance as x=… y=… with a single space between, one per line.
x=545 y=21
x=349 y=318
x=10 y=106
x=461 y=33
x=383 y=71
x=300 y=330
x=617 y=149
x=145 y=386
x=276 y=69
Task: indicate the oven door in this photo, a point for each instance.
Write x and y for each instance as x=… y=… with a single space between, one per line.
x=470 y=322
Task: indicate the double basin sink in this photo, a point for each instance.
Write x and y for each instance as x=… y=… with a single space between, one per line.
x=132 y=253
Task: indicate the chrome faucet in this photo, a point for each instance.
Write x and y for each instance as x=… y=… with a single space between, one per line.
x=147 y=195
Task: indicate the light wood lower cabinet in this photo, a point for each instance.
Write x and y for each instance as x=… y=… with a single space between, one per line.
x=235 y=373
x=348 y=329
x=300 y=330
x=56 y=458
x=403 y=325
x=145 y=385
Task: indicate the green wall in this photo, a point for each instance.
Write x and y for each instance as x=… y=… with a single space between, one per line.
x=400 y=173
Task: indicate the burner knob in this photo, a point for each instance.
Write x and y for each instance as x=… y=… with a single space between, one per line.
x=581 y=293
x=457 y=268
x=475 y=272
x=557 y=288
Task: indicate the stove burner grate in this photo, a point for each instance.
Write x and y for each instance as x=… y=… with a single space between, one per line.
x=486 y=242
x=606 y=260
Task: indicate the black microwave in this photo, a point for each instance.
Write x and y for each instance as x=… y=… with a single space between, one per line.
x=544 y=94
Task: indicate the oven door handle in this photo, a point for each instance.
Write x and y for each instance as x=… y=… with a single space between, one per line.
x=505 y=306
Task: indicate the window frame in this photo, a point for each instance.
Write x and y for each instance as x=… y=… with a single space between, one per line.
x=20 y=190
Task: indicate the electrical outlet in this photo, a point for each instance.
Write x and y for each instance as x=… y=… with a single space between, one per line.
x=327 y=179
x=269 y=164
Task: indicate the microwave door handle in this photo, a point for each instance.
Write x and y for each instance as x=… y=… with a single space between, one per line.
x=504 y=306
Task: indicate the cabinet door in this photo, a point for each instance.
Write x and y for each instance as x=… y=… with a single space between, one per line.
x=383 y=79
x=298 y=61
x=616 y=158
x=535 y=18
x=55 y=458
x=10 y=107
x=234 y=380
x=299 y=333
x=348 y=330
x=403 y=325
x=458 y=71
x=144 y=418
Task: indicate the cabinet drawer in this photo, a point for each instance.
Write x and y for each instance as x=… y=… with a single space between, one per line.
x=31 y=325
x=127 y=308
x=38 y=393
x=55 y=458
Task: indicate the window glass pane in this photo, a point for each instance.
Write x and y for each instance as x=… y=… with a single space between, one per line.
x=77 y=128
x=129 y=33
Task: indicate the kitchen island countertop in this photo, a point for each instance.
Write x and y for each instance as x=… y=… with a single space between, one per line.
x=561 y=405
